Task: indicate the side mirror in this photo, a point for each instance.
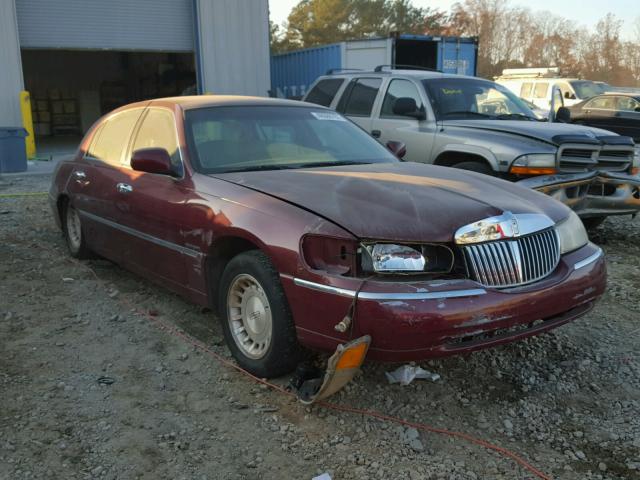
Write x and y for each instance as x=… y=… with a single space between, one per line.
x=569 y=95
x=399 y=149
x=152 y=160
x=563 y=115
x=406 y=107
x=637 y=109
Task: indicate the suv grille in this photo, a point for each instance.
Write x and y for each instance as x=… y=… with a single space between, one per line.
x=507 y=263
x=584 y=158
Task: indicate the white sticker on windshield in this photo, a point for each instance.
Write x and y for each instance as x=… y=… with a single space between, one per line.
x=329 y=116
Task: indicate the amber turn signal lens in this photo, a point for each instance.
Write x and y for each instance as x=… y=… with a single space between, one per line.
x=533 y=170
x=635 y=171
x=352 y=357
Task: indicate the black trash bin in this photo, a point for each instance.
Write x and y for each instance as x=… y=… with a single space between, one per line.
x=13 y=154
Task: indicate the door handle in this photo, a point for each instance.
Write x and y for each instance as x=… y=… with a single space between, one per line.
x=376 y=133
x=79 y=176
x=124 y=188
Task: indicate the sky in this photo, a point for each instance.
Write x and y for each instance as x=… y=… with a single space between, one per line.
x=584 y=12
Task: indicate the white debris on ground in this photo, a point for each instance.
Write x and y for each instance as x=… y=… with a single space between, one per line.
x=406 y=374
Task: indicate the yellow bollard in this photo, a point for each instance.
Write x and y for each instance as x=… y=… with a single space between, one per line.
x=27 y=123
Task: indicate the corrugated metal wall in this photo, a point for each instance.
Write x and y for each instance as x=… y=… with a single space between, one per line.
x=10 y=67
x=292 y=73
x=233 y=38
x=154 y=25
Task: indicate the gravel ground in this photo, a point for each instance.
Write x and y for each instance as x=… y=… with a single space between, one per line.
x=89 y=388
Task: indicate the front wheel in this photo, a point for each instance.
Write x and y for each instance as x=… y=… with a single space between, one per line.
x=475 y=167
x=256 y=320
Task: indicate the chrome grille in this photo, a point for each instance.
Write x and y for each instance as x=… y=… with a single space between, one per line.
x=507 y=263
x=576 y=158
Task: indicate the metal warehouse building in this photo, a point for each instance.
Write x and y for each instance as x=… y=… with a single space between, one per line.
x=81 y=58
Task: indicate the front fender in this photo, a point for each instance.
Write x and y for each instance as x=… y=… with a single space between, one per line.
x=476 y=150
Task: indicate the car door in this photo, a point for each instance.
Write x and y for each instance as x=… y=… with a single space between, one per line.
x=414 y=133
x=628 y=117
x=600 y=112
x=358 y=100
x=94 y=180
x=153 y=207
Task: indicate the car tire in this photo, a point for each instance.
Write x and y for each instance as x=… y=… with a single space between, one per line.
x=475 y=167
x=592 y=223
x=74 y=232
x=256 y=320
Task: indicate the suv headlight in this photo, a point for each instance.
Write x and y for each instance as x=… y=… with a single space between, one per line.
x=534 y=164
x=572 y=234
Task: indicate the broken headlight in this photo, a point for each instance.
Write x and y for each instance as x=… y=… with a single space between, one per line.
x=399 y=258
x=572 y=233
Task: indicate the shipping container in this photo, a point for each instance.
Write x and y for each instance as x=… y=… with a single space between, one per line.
x=293 y=72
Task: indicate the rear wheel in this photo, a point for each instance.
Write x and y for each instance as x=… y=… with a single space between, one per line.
x=256 y=320
x=475 y=167
x=592 y=223
x=73 y=233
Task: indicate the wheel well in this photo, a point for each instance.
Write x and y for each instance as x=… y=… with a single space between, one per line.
x=449 y=159
x=219 y=256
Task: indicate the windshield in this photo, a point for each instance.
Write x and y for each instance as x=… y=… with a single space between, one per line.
x=245 y=138
x=472 y=98
x=586 y=89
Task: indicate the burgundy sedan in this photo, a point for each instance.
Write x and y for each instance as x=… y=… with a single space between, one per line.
x=303 y=231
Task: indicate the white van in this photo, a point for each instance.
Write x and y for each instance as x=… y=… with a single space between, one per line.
x=535 y=85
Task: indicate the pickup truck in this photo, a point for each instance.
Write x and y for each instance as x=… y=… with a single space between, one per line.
x=479 y=125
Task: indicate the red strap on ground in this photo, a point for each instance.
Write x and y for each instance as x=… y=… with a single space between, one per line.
x=164 y=326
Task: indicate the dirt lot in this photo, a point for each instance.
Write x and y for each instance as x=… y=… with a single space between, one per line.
x=89 y=388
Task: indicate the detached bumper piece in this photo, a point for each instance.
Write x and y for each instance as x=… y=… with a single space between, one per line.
x=341 y=368
x=591 y=194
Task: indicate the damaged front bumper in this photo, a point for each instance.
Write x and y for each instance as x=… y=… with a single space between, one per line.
x=591 y=194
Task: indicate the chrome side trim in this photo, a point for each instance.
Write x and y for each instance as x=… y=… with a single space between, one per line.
x=589 y=260
x=389 y=296
x=145 y=236
x=324 y=288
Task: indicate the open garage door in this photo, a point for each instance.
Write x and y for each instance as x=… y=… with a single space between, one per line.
x=83 y=58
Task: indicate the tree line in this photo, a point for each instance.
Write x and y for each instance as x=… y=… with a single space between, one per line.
x=510 y=36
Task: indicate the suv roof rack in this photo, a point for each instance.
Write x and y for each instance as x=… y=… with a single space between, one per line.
x=380 y=68
x=331 y=71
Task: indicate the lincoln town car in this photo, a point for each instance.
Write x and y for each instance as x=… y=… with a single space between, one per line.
x=304 y=233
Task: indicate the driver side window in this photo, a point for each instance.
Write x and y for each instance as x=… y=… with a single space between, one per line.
x=399 y=89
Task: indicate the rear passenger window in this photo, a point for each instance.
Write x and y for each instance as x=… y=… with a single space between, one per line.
x=362 y=95
x=541 y=90
x=324 y=91
x=525 y=89
x=113 y=137
x=158 y=130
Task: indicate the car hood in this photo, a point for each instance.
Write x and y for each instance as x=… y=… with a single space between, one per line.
x=398 y=200
x=543 y=131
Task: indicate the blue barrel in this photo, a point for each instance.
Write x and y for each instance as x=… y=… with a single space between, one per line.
x=13 y=154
